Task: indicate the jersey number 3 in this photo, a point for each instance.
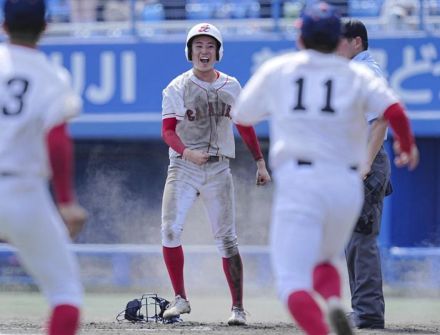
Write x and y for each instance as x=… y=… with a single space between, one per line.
x=16 y=90
x=327 y=107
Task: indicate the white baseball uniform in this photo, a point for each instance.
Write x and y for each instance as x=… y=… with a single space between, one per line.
x=317 y=106
x=35 y=95
x=204 y=123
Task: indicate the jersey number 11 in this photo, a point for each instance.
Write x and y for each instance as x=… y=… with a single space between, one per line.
x=326 y=109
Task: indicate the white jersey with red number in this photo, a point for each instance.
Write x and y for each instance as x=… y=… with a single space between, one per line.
x=317 y=104
x=203 y=111
x=35 y=95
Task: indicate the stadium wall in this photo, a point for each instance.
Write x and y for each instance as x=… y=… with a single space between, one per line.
x=121 y=82
x=121 y=160
x=121 y=166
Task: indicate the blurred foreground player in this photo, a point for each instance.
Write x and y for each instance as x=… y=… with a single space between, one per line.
x=316 y=103
x=36 y=99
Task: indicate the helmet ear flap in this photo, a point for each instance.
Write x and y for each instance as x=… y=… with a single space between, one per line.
x=188 y=51
x=217 y=53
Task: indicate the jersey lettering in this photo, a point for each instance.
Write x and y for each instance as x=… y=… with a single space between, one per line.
x=223 y=110
x=227 y=113
x=16 y=89
x=326 y=109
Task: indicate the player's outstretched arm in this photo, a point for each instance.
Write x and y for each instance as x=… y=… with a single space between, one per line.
x=404 y=145
x=60 y=150
x=250 y=139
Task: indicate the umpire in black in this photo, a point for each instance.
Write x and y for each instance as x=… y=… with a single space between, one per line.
x=362 y=252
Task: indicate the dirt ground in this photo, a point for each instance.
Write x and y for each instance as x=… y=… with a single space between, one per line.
x=25 y=313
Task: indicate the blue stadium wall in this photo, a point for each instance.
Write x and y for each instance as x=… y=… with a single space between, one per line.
x=121 y=83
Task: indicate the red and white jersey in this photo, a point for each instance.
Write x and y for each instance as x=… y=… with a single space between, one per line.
x=317 y=104
x=35 y=95
x=203 y=112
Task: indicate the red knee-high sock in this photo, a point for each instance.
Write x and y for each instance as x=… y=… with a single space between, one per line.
x=64 y=320
x=233 y=268
x=326 y=281
x=307 y=313
x=174 y=261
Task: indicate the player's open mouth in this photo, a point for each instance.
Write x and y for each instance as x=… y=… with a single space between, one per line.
x=204 y=59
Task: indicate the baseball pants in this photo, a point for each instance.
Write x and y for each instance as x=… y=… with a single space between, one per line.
x=362 y=252
x=315 y=208
x=211 y=181
x=30 y=222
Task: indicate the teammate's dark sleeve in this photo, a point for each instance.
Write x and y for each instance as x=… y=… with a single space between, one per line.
x=399 y=122
x=250 y=139
x=169 y=135
x=61 y=161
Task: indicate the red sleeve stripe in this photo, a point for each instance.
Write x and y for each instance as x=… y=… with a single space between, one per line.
x=250 y=139
x=60 y=149
x=169 y=135
x=399 y=122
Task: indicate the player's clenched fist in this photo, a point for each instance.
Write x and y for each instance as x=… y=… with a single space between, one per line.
x=263 y=176
x=195 y=156
x=74 y=217
x=410 y=159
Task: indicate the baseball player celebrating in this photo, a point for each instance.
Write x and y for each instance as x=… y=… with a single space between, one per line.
x=197 y=126
x=36 y=99
x=317 y=102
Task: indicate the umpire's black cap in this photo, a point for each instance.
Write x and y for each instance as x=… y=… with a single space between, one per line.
x=355 y=28
x=31 y=13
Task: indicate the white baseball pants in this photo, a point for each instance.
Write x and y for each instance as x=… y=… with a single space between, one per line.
x=213 y=182
x=314 y=211
x=30 y=222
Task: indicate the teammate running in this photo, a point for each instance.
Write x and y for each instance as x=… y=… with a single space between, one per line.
x=197 y=126
x=317 y=103
x=35 y=97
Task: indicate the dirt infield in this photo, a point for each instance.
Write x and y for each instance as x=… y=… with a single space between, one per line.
x=188 y=327
x=24 y=313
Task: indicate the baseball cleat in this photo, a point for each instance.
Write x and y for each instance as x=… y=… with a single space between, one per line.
x=339 y=322
x=177 y=307
x=238 y=317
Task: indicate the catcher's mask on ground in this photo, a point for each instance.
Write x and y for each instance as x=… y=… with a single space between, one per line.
x=154 y=307
x=206 y=29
